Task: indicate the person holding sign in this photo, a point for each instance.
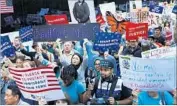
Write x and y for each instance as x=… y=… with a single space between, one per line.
x=108 y=89
x=158 y=36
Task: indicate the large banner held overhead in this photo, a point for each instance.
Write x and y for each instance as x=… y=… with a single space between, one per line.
x=7 y=48
x=37 y=82
x=65 y=32
x=163 y=52
x=148 y=74
x=56 y=19
x=26 y=34
x=133 y=31
x=105 y=41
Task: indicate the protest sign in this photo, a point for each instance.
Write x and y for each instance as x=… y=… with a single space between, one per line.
x=65 y=32
x=156 y=9
x=105 y=41
x=148 y=74
x=107 y=7
x=34 y=18
x=7 y=48
x=56 y=19
x=133 y=31
x=37 y=82
x=11 y=35
x=43 y=11
x=84 y=13
x=9 y=20
x=163 y=52
x=99 y=17
x=174 y=9
x=134 y=5
x=154 y=20
x=26 y=34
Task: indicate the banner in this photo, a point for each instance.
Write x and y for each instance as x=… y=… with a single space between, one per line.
x=133 y=31
x=105 y=41
x=37 y=82
x=163 y=52
x=65 y=32
x=26 y=34
x=56 y=19
x=34 y=18
x=7 y=48
x=82 y=11
x=148 y=74
x=156 y=9
x=9 y=20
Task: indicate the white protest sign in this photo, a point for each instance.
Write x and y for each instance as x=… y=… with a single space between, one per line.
x=134 y=5
x=148 y=74
x=163 y=52
x=11 y=35
x=154 y=19
x=37 y=83
x=107 y=7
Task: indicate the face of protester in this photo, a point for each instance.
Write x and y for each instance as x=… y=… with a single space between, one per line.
x=67 y=47
x=80 y=1
x=106 y=72
x=68 y=80
x=11 y=99
x=61 y=102
x=16 y=42
x=97 y=65
x=26 y=65
x=75 y=60
x=153 y=93
x=157 y=32
x=133 y=44
x=19 y=63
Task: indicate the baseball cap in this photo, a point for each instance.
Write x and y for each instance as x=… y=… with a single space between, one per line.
x=106 y=64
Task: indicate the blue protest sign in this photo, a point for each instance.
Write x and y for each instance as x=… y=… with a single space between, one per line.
x=43 y=11
x=26 y=34
x=174 y=9
x=65 y=32
x=107 y=41
x=156 y=9
x=6 y=47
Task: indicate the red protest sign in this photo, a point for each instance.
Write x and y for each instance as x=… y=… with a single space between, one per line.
x=56 y=19
x=134 y=31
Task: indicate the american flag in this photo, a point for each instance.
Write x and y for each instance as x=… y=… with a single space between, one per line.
x=99 y=17
x=35 y=81
x=6 y=6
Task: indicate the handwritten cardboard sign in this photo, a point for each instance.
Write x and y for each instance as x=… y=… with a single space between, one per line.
x=148 y=74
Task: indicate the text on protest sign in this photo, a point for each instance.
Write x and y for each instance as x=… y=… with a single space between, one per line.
x=133 y=31
x=148 y=74
x=156 y=9
x=7 y=48
x=65 y=32
x=107 y=41
x=162 y=52
x=37 y=82
x=56 y=19
x=26 y=34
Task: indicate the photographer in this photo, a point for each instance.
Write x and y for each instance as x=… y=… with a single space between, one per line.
x=108 y=89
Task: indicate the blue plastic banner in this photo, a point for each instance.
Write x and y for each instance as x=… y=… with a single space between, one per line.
x=156 y=9
x=6 y=47
x=105 y=41
x=26 y=34
x=65 y=32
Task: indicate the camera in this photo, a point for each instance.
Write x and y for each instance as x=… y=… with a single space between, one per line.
x=99 y=101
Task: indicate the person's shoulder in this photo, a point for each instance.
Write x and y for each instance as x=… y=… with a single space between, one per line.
x=23 y=103
x=142 y=94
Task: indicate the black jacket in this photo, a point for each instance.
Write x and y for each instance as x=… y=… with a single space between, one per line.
x=136 y=52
